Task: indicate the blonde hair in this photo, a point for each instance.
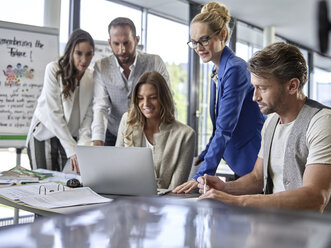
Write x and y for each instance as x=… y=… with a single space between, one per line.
x=136 y=117
x=216 y=16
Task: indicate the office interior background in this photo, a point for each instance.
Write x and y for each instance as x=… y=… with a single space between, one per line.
x=163 y=27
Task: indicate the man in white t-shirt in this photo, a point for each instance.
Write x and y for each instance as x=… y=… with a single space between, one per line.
x=293 y=168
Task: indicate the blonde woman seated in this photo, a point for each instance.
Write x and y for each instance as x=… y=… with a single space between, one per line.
x=150 y=122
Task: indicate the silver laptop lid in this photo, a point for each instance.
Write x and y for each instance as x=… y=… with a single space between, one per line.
x=117 y=170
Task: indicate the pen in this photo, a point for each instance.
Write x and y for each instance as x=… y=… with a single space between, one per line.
x=205 y=186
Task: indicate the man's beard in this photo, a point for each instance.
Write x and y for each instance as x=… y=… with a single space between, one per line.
x=129 y=60
x=267 y=110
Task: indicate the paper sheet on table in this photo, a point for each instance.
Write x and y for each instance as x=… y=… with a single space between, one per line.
x=78 y=196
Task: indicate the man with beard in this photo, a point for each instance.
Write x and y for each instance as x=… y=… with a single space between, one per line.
x=293 y=167
x=115 y=77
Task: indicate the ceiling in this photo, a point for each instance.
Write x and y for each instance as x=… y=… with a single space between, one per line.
x=294 y=20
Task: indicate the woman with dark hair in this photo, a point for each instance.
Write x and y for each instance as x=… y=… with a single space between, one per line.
x=150 y=122
x=63 y=116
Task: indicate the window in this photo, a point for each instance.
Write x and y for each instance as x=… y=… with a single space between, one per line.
x=242 y=51
x=322 y=86
x=97 y=14
x=22 y=11
x=205 y=124
x=249 y=39
x=168 y=39
x=64 y=24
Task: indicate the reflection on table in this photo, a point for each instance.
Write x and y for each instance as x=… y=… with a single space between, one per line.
x=172 y=222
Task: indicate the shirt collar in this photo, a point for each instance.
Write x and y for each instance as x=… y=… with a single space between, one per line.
x=131 y=66
x=214 y=75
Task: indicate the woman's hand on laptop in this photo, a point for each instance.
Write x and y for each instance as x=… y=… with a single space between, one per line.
x=98 y=143
x=74 y=163
x=186 y=187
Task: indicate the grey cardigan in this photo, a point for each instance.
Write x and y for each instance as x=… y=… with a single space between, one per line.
x=173 y=151
x=296 y=149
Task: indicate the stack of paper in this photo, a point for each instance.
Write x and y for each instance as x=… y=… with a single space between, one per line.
x=52 y=195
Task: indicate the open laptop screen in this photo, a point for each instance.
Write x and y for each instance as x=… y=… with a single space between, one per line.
x=117 y=170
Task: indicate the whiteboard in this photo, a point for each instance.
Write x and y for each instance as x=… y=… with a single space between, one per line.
x=24 y=53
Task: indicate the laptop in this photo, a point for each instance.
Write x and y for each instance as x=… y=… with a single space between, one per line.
x=117 y=170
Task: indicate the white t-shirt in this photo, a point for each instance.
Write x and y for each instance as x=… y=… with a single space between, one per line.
x=318 y=140
x=146 y=143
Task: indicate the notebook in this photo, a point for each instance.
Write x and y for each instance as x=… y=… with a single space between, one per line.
x=117 y=170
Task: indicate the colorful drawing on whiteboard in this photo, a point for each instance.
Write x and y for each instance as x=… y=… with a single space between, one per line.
x=13 y=76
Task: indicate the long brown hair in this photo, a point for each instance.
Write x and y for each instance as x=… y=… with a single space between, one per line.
x=136 y=117
x=67 y=71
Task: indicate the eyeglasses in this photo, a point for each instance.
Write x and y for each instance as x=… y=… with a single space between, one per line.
x=204 y=41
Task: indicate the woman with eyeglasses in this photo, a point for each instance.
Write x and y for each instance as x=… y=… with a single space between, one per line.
x=150 y=122
x=63 y=116
x=237 y=120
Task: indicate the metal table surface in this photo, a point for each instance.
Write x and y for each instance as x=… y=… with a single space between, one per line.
x=173 y=222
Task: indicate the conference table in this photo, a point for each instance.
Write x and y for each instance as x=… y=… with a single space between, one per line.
x=171 y=221
x=40 y=211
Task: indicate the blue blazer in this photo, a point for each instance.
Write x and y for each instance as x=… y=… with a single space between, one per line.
x=237 y=120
